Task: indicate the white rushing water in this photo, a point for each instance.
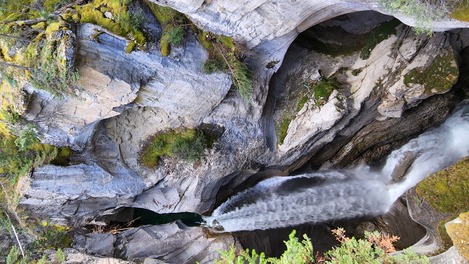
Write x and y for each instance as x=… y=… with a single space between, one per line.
x=331 y=195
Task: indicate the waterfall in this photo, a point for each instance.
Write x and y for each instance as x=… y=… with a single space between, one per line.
x=331 y=195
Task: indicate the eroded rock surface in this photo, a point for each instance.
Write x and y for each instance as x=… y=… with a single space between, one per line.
x=127 y=98
x=378 y=87
x=170 y=243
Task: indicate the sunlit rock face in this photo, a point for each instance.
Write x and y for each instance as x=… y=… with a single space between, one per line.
x=258 y=21
x=112 y=81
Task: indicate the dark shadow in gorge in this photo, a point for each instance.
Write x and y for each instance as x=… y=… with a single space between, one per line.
x=371 y=141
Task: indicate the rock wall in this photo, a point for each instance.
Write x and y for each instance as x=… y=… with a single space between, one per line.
x=126 y=98
x=367 y=89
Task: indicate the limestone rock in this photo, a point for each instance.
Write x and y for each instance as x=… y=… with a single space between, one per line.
x=78 y=192
x=126 y=98
x=181 y=244
x=260 y=21
x=450 y=256
x=73 y=256
x=382 y=78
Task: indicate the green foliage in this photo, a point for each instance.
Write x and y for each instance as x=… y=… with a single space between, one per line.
x=50 y=74
x=282 y=128
x=241 y=76
x=191 y=150
x=230 y=256
x=225 y=55
x=296 y=252
x=213 y=65
x=375 y=248
x=356 y=251
x=175 y=35
x=19 y=154
x=440 y=76
x=187 y=144
x=409 y=256
x=10 y=116
x=378 y=34
x=14 y=256
x=122 y=22
x=42 y=260
x=319 y=91
x=423 y=11
x=446 y=191
x=60 y=256
x=51 y=236
x=173 y=24
x=26 y=138
x=52 y=5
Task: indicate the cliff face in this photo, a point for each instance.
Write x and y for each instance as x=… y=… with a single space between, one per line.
x=378 y=101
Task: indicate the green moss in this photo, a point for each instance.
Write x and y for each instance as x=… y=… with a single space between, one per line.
x=130 y=47
x=187 y=144
x=461 y=12
x=165 y=48
x=459 y=233
x=54 y=27
x=52 y=5
x=382 y=32
x=282 y=128
x=440 y=76
x=121 y=23
x=39 y=26
x=163 y=14
x=173 y=25
x=204 y=39
x=447 y=190
x=17 y=10
x=443 y=234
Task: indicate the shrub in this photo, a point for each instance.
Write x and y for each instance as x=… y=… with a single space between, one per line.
x=225 y=55
x=26 y=139
x=192 y=149
x=375 y=248
x=14 y=256
x=186 y=144
x=175 y=35
x=296 y=252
